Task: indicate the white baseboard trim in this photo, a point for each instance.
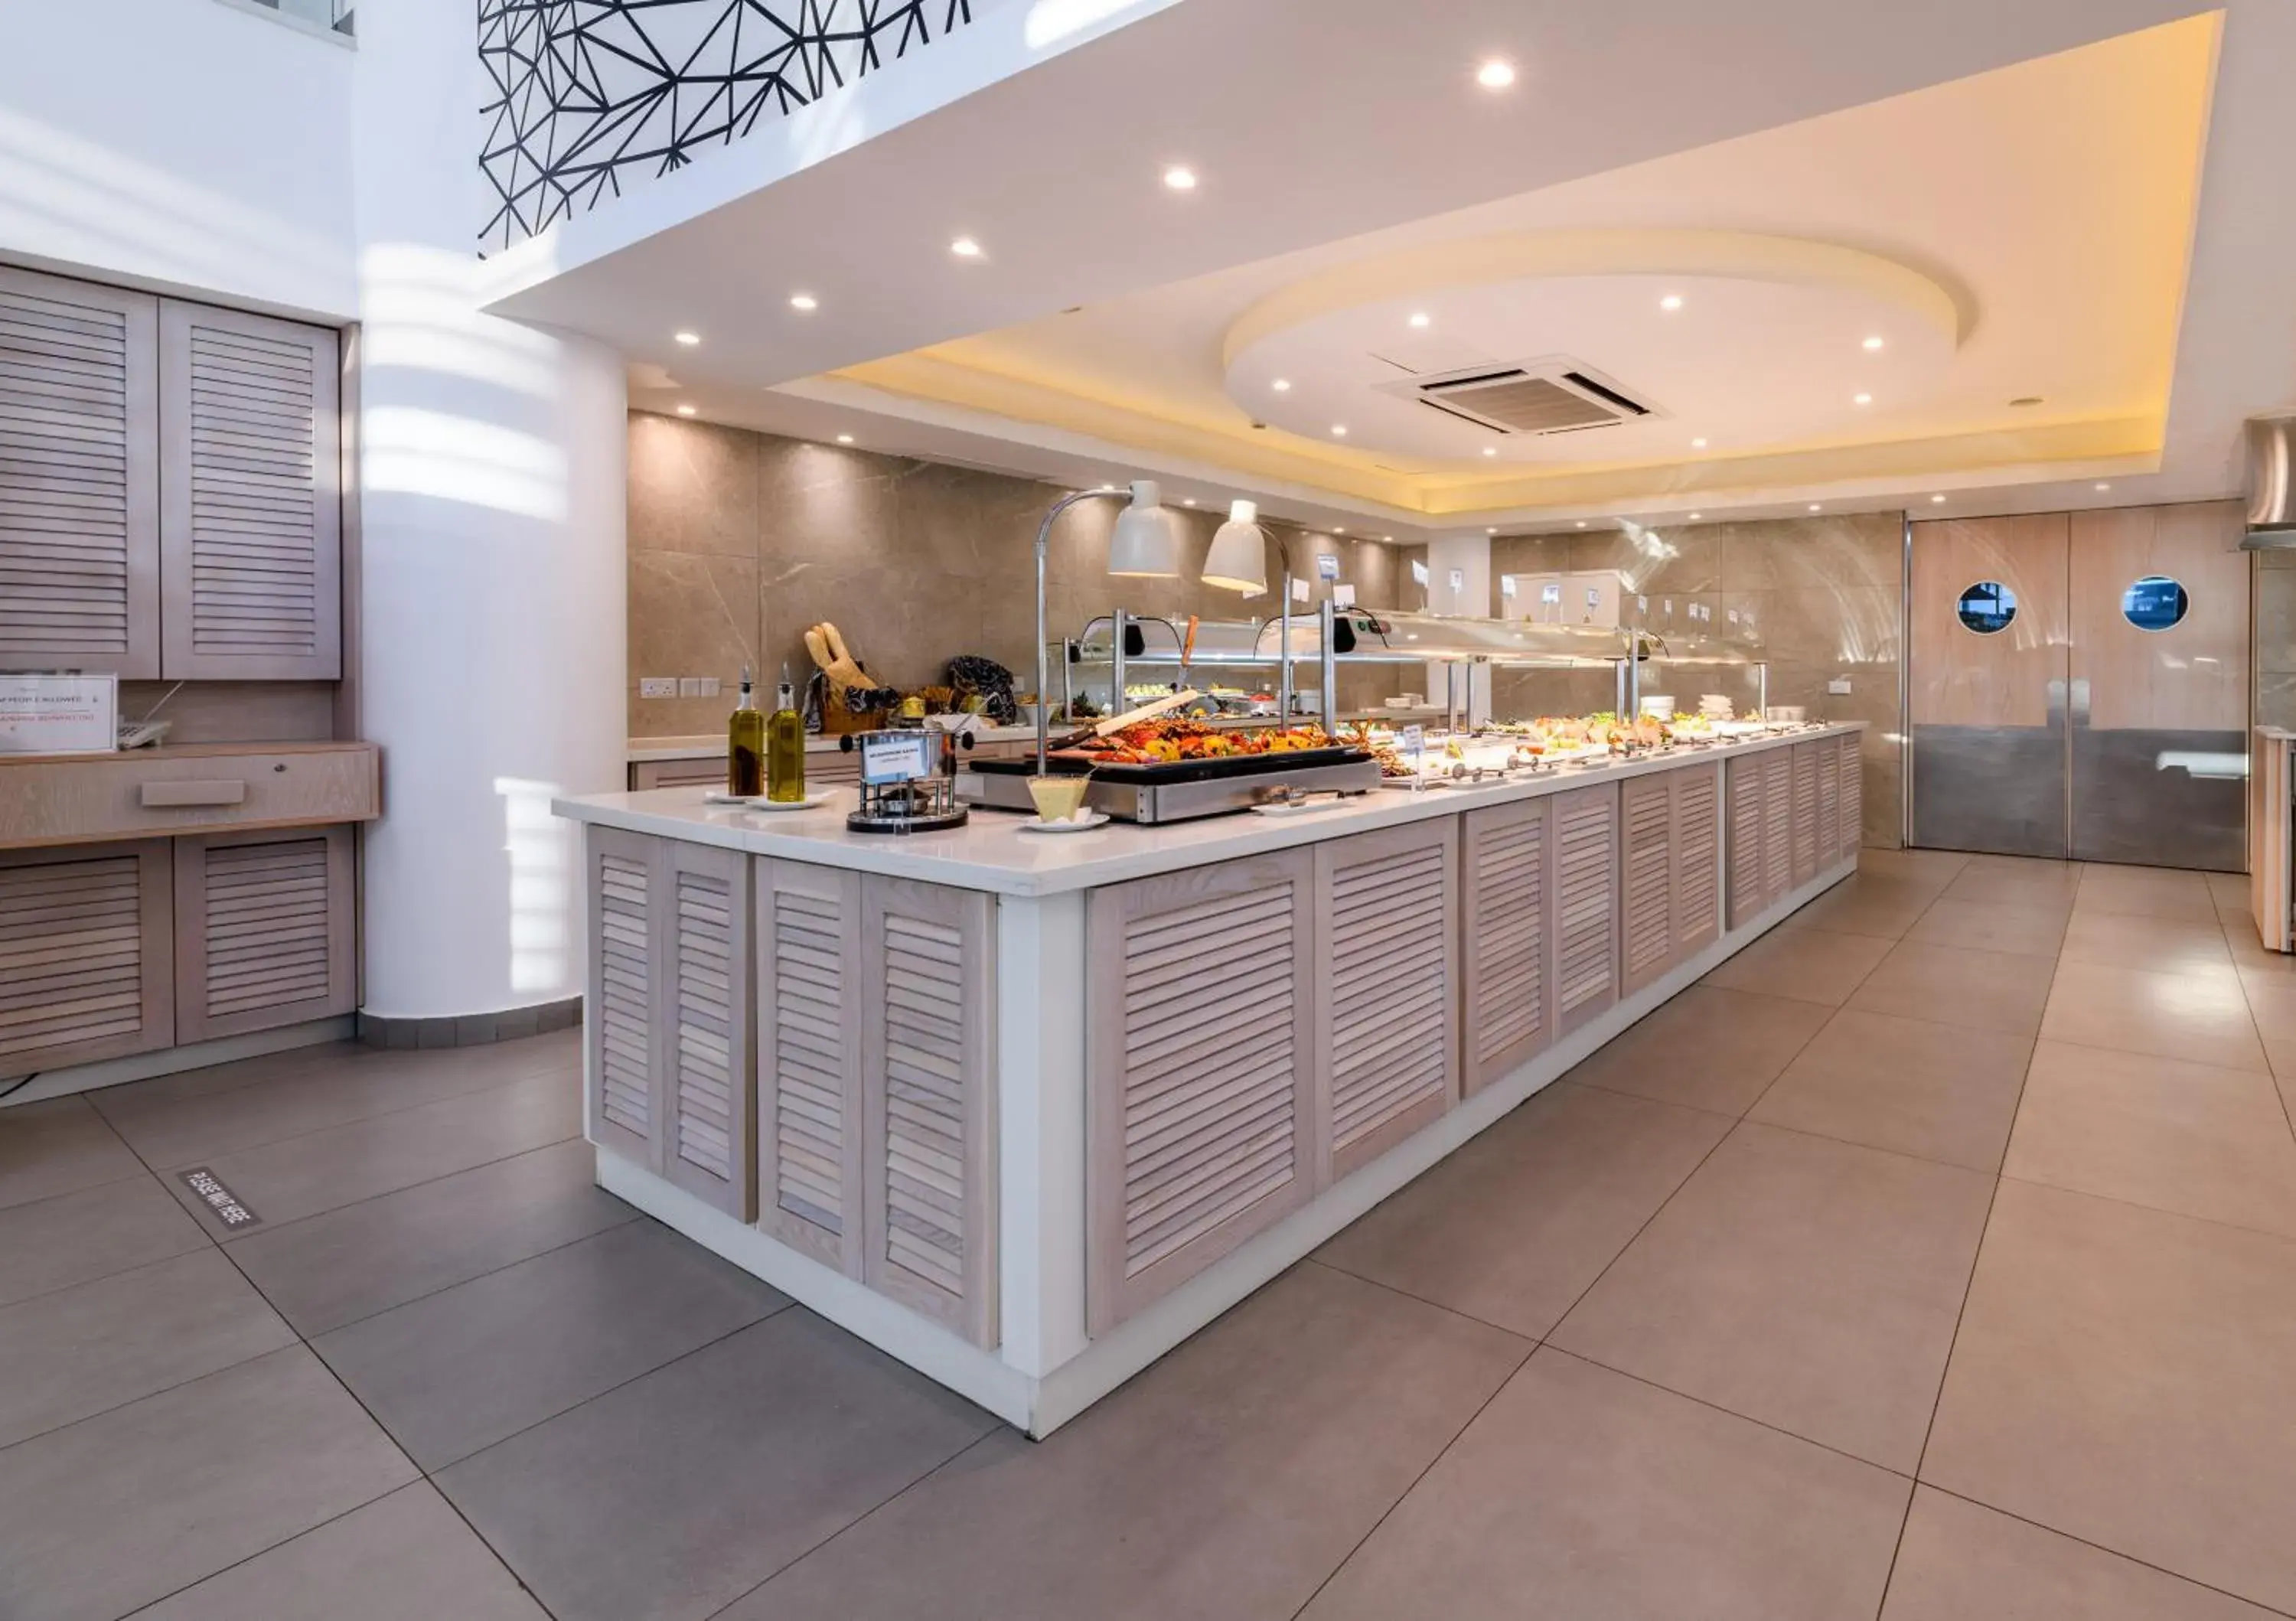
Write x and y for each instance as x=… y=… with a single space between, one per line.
x=195 y=1055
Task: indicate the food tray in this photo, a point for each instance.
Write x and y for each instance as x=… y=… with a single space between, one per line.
x=1176 y=771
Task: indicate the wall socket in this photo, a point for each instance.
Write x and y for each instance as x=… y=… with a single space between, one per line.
x=657 y=686
x=1838 y=687
x=697 y=686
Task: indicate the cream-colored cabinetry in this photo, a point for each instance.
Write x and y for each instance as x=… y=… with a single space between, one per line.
x=265 y=930
x=1670 y=870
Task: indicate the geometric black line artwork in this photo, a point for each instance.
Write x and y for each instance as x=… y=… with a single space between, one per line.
x=589 y=95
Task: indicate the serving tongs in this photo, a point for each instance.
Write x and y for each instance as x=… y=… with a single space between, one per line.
x=1130 y=717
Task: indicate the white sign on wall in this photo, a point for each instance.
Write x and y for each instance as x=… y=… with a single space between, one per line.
x=59 y=714
x=1458 y=579
x=1327 y=565
x=1343 y=596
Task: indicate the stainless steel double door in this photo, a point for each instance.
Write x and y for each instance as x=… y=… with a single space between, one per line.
x=2079 y=686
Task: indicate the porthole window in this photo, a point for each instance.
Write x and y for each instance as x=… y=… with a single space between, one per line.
x=2154 y=602
x=1987 y=607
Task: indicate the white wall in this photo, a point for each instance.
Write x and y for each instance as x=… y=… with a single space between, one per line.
x=180 y=145
x=1471 y=555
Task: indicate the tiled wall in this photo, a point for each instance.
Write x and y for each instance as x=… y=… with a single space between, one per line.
x=740 y=540
x=1826 y=598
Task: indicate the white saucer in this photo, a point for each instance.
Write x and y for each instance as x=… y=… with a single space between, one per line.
x=809 y=802
x=1092 y=819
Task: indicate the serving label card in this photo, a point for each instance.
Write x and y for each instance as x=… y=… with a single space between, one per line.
x=898 y=757
x=59 y=714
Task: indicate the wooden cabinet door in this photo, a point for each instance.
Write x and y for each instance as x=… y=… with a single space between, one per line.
x=265 y=930
x=809 y=1150
x=1586 y=887
x=702 y=1014
x=1742 y=811
x=618 y=1020
x=87 y=955
x=929 y=1101
x=1777 y=825
x=79 y=480
x=251 y=535
x=1506 y=910
x=1387 y=957
x=1805 y=811
x=1646 y=878
x=1199 y=1082
x=1828 y=758
x=1696 y=793
x=1853 y=795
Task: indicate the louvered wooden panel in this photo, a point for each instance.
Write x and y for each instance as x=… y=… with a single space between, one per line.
x=928 y=978
x=250 y=516
x=86 y=954
x=1586 y=904
x=1805 y=811
x=1387 y=1040
x=1777 y=825
x=1742 y=802
x=809 y=1105
x=1697 y=840
x=1200 y=1102
x=618 y=1023
x=79 y=532
x=1827 y=758
x=264 y=931
x=1506 y=907
x=705 y=1011
x=1853 y=795
x=1646 y=878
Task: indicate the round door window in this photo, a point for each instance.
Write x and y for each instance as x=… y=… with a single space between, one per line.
x=1987 y=607
x=2154 y=602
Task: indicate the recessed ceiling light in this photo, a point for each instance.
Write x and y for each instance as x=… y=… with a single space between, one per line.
x=1935 y=499
x=1695 y=517
x=1862 y=400
x=1698 y=444
x=1496 y=74
x=965 y=248
x=1873 y=342
x=1816 y=506
x=845 y=438
x=1490 y=531
x=2103 y=487
x=1281 y=385
x=1339 y=430
x=689 y=339
x=1187 y=501
x=1490 y=450
x=1179 y=177
x=1672 y=300
x=804 y=301
x=685 y=411
x=1388 y=537
x=1420 y=318
x=1582 y=523
x=1339 y=529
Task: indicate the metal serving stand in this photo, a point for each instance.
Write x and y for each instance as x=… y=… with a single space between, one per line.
x=908 y=780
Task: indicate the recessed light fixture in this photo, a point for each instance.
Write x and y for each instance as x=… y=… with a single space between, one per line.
x=1339 y=529
x=1179 y=177
x=1496 y=74
x=688 y=339
x=1935 y=500
x=1873 y=342
x=685 y=411
x=1281 y=385
x=1861 y=399
x=1420 y=317
x=1672 y=301
x=1187 y=501
x=804 y=301
x=2101 y=487
x=1339 y=430
x=1698 y=444
x=845 y=438
x=1695 y=517
x=1816 y=506
x=1582 y=523
x=1491 y=531
x=1490 y=450
x=965 y=248
x=1389 y=539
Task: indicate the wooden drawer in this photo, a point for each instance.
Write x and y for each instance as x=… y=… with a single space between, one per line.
x=87 y=955
x=198 y=789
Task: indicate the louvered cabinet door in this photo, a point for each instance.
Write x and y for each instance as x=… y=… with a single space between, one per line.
x=619 y=1020
x=1697 y=794
x=87 y=955
x=1741 y=809
x=251 y=535
x=1853 y=796
x=1805 y=811
x=1828 y=760
x=1198 y=1085
x=703 y=1011
x=1584 y=883
x=79 y=478
x=265 y=930
x=1646 y=878
x=1386 y=955
x=1506 y=921
x=1777 y=825
x=810 y=1173
x=929 y=1101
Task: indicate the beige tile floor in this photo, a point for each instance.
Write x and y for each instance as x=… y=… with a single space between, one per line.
x=1937 y=1259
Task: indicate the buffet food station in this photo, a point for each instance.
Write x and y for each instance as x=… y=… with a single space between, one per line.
x=1026 y=1109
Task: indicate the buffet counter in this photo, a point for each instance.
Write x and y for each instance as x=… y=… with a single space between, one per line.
x=1026 y=1109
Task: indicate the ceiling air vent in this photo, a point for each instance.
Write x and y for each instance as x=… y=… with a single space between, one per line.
x=1537 y=397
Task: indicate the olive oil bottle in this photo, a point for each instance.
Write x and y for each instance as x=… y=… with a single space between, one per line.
x=785 y=748
x=745 y=745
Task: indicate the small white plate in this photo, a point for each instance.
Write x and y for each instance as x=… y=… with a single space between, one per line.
x=809 y=802
x=1092 y=819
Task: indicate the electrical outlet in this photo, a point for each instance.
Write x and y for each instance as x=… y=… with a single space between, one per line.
x=689 y=686
x=657 y=686
x=1838 y=687
x=710 y=686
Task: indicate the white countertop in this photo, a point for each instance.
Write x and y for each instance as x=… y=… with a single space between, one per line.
x=990 y=852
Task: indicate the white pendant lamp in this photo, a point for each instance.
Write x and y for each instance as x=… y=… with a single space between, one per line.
x=1147 y=538
x=1238 y=559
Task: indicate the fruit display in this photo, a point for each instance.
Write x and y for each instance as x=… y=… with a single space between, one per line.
x=1163 y=742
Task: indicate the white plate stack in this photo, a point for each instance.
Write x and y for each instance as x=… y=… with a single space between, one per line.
x=1715 y=706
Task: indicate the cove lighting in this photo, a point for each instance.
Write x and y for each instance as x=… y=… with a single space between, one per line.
x=685 y=411
x=845 y=438
x=965 y=248
x=1496 y=74
x=1862 y=400
x=1281 y=385
x=1179 y=178
x=1873 y=342
x=804 y=301
x=1672 y=301
x=688 y=339
x=1420 y=318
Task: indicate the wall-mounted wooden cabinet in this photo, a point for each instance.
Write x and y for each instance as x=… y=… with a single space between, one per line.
x=169 y=487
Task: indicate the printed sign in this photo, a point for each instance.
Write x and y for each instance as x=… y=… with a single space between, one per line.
x=893 y=756
x=1458 y=579
x=59 y=714
x=1506 y=586
x=1299 y=591
x=1343 y=596
x=1327 y=565
x=1418 y=572
x=222 y=1203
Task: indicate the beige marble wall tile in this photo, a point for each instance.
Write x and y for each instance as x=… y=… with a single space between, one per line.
x=692 y=487
x=690 y=615
x=1863 y=549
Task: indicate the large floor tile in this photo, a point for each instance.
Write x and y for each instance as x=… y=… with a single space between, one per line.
x=1581 y=1493
x=1805 y=964
x=1934 y=868
x=54 y=1243
x=1883 y=907
x=668 y=1498
x=328 y=1269
x=130 y=1506
x=2156 y=944
x=1935 y=1091
x=1959 y=1560
x=79 y=1351
x=1513 y=1227
x=2043 y=888
x=2122 y=1376
x=1983 y=990
x=1809 y=1284
x=58 y=1146
x=2148 y=892
x=2272 y=1004
x=2204 y=1142
x=460 y=1369
x=2022 y=930
x=1228 y=1480
x=325 y=1170
x=1708 y=1048
x=2193 y=1017
x=407 y=1557
x=2229 y=891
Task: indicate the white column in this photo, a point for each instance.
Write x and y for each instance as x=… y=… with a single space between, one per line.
x=491 y=460
x=1468 y=557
